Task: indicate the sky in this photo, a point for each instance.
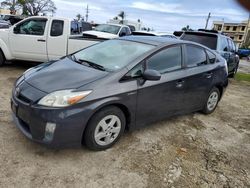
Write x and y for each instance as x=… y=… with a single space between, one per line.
x=162 y=15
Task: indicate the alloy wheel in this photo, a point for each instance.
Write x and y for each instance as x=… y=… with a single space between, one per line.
x=107 y=130
x=212 y=101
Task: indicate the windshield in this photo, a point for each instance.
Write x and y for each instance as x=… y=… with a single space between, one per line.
x=113 y=54
x=113 y=29
x=207 y=40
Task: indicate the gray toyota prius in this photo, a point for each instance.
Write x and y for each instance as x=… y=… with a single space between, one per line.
x=92 y=96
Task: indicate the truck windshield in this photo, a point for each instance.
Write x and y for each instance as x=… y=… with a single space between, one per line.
x=113 y=29
x=112 y=54
x=205 y=39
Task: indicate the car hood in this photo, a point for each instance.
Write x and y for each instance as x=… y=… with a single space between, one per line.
x=98 y=34
x=61 y=75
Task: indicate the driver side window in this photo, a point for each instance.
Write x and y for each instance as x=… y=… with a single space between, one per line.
x=31 y=27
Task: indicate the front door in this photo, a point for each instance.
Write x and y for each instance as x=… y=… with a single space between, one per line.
x=28 y=40
x=160 y=99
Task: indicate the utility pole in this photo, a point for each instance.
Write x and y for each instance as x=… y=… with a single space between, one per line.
x=87 y=13
x=208 y=18
x=246 y=33
x=222 y=24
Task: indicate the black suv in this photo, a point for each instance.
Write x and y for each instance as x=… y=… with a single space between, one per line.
x=218 y=42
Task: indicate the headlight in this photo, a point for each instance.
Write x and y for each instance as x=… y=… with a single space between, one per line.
x=63 y=98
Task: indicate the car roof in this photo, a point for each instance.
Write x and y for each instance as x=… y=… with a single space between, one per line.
x=206 y=33
x=153 y=40
x=120 y=25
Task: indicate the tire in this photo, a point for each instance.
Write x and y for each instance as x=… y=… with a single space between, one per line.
x=104 y=128
x=2 y=58
x=212 y=101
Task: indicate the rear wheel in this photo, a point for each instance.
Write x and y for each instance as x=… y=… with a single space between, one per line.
x=104 y=129
x=2 y=58
x=212 y=101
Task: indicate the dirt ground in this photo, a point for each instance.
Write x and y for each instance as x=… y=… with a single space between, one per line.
x=187 y=151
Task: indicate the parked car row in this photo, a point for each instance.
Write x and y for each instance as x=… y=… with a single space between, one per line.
x=41 y=39
x=8 y=20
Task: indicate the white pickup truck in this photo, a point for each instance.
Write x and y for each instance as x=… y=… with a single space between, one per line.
x=108 y=31
x=40 y=39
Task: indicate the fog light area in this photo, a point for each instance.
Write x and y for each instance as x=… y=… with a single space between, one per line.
x=49 y=131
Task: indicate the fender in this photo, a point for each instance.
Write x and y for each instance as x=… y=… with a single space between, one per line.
x=5 y=50
x=116 y=101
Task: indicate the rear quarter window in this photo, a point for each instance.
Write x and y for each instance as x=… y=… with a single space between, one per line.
x=196 y=56
x=211 y=57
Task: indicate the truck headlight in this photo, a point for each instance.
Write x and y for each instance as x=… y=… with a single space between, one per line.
x=63 y=98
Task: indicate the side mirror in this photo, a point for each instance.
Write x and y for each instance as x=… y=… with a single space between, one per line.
x=16 y=30
x=225 y=49
x=151 y=75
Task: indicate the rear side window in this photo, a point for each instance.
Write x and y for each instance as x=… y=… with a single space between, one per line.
x=223 y=44
x=205 y=39
x=231 y=45
x=57 y=28
x=196 y=56
x=211 y=57
x=166 y=60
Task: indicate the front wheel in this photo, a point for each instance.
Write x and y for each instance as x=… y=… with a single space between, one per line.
x=105 y=128
x=212 y=101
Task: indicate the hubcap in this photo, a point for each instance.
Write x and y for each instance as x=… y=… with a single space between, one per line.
x=107 y=130
x=212 y=101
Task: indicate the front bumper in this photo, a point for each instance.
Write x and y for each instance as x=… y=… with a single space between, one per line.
x=31 y=120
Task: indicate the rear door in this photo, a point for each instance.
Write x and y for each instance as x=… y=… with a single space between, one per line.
x=57 y=39
x=233 y=56
x=199 y=77
x=28 y=40
x=159 y=99
x=224 y=50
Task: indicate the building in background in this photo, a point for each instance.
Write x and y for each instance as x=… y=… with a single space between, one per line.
x=237 y=31
x=4 y=11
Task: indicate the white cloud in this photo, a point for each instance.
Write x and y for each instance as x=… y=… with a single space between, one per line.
x=159 y=7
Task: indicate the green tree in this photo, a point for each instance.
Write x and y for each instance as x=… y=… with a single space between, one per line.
x=34 y=7
x=30 y=7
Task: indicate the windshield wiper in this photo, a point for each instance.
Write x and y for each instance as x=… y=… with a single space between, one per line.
x=91 y=64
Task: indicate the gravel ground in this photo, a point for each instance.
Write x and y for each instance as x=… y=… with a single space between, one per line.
x=187 y=151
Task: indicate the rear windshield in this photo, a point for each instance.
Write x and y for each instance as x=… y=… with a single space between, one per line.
x=207 y=40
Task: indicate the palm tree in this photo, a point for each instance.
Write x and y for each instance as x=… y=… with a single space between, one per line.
x=122 y=15
x=78 y=16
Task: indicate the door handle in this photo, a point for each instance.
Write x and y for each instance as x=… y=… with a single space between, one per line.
x=179 y=84
x=209 y=75
x=41 y=40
